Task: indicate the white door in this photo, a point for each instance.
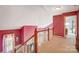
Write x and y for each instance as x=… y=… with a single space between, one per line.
x=8 y=43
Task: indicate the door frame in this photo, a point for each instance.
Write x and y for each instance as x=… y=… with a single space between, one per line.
x=13 y=41
x=64 y=25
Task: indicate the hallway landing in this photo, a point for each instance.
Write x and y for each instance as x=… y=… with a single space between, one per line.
x=57 y=44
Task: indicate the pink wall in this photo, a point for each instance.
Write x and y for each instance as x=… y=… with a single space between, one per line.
x=77 y=39
x=58 y=24
x=16 y=32
x=78 y=24
x=27 y=32
x=24 y=33
x=70 y=13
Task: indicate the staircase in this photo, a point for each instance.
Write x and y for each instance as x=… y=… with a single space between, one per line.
x=44 y=41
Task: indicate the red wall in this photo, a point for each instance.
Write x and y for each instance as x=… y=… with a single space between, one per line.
x=16 y=32
x=77 y=39
x=70 y=13
x=24 y=33
x=78 y=24
x=27 y=32
x=58 y=24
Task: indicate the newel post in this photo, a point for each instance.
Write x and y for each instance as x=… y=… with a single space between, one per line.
x=14 y=50
x=48 y=34
x=35 y=41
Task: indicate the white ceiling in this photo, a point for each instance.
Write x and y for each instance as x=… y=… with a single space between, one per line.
x=13 y=17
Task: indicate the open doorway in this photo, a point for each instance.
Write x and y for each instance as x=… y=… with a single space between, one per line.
x=8 y=43
x=70 y=29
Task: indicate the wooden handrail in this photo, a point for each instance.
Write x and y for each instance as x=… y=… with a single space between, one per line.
x=23 y=43
x=35 y=39
x=44 y=30
x=48 y=34
x=47 y=31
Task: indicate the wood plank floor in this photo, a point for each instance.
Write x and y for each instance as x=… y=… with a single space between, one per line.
x=57 y=44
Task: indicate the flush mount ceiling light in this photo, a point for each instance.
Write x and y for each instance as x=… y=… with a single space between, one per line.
x=57 y=8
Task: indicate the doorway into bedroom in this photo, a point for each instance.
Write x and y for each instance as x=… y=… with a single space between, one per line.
x=70 y=29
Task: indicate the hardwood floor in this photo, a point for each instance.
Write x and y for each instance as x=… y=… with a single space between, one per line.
x=57 y=44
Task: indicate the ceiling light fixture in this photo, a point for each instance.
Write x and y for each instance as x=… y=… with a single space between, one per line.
x=57 y=8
